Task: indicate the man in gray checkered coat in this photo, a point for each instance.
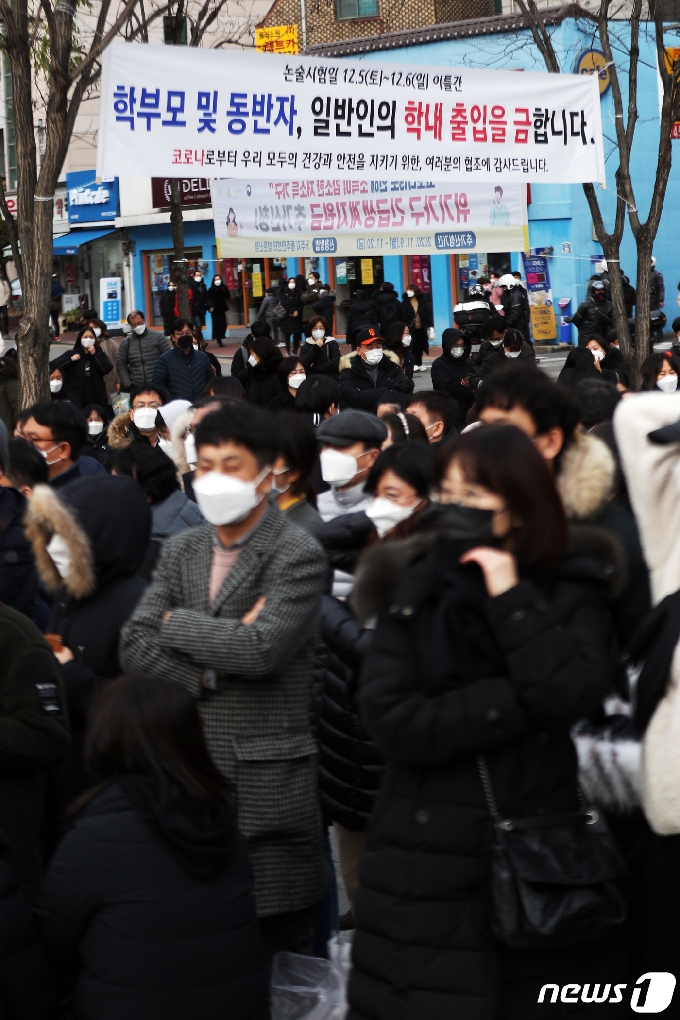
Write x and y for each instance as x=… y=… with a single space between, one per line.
x=232 y=613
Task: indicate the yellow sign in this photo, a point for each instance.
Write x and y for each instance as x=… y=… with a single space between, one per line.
x=366 y=270
x=543 y=324
x=594 y=62
x=277 y=39
x=257 y=285
x=672 y=55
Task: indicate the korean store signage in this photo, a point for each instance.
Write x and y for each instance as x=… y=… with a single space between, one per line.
x=354 y=216
x=541 y=306
x=193 y=191
x=277 y=39
x=257 y=115
x=90 y=200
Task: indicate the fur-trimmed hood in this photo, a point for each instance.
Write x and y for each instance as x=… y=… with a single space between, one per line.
x=105 y=522
x=119 y=434
x=347 y=359
x=179 y=427
x=586 y=477
x=591 y=554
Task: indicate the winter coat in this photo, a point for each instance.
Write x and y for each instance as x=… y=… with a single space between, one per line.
x=27 y=983
x=657 y=290
x=408 y=315
x=516 y=309
x=219 y=299
x=359 y=390
x=256 y=721
x=350 y=766
x=283 y=401
x=239 y=363
x=174 y=514
x=185 y=376
x=486 y=349
x=34 y=735
x=309 y=298
x=137 y=356
x=321 y=360
x=201 y=301
x=292 y=302
x=593 y=318
x=18 y=577
x=448 y=374
x=140 y=936
x=9 y=396
x=303 y=515
x=110 y=348
x=499 y=357
x=262 y=384
x=360 y=314
x=507 y=677
x=106 y=524
x=97 y=447
x=266 y=312
x=325 y=306
x=84 y=467
x=166 y=305
x=389 y=308
x=76 y=373
x=122 y=432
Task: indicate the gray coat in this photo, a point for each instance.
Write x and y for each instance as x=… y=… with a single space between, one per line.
x=257 y=723
x=137 y=356
x=174 y=514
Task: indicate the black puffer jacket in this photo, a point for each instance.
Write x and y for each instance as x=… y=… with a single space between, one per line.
x=292 y=302
x=516 y=309
x=448 y=373
x=262 y=383
x=358 y=388
x=507 y=677
x=89 y=368
x=321 y=360
x=184 y=376
x=18 y=577
x=136 y=934
x=389 y=307
x=350 y=766
x=593 y=318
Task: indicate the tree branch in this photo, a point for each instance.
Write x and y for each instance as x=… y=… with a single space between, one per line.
x=99 y=48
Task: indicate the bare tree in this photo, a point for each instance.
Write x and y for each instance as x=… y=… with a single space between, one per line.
x=625 y=120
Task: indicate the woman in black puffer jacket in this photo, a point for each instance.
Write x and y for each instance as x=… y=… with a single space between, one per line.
x=493 y=638
x=147 y=909
x=261 y=383
x=451 y=372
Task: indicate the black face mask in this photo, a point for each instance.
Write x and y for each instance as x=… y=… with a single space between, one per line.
x=185 y=342
x=466 y=526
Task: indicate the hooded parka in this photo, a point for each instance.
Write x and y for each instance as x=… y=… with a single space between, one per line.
x=451 y=673
x=452 y=375
x=262 y=384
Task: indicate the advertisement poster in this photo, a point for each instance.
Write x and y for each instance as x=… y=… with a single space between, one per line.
x=277 y=39
x=326 y=216
x=260 y=115
x=541 y=307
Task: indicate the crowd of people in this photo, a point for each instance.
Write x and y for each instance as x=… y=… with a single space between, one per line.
x=302 y=626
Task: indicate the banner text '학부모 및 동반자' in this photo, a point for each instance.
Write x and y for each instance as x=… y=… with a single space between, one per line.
x=355 y=216
x=228 y=113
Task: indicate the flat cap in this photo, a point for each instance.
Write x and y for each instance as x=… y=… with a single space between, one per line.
x=350 y=427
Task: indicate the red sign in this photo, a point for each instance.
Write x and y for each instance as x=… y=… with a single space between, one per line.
x=195 y=191
x=11 y=204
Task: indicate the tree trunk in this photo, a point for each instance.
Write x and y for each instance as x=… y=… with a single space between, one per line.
x=642 y=308
x=179 y=266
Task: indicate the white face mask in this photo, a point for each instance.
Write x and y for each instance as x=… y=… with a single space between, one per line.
x=457 y=352
x=495 y=343
x=127 y=328
x=190 y=449
x=667 y=383
x=58 y=552
x=291 y=285
x=318 y=334
x=198 y=279
x=145 y=418
x=252 y=361
x=597 y=354
x=374 y=357
x=56 y=385
x=296 y=380
x=217 y=283
x=386 y=514
x=337 y=468
x=512 y=354
x=409 y=293
x=88 y=343
x=139 y=329
x=95 y=428
x=165 y=445
x=97 y=331
x=406 y=340
x=223 y=499
x=195 y=345
x=311 y=281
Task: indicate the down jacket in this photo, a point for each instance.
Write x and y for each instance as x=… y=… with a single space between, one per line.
x=358 y=388
x=185 y=376
x=137 y=357
x=507 y=677
x=448 y=374
x=350 y=766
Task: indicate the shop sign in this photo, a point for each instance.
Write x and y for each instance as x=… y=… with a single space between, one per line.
x=672 y=56
x=254 y=115
x=110 y=303
x=193 y=191
x=541 y=308
x=362 y=217
x=594 y=62
x=277 y=39
x=90 y=200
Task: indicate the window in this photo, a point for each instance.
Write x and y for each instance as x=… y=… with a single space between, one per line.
x=357 y=9
x=169 y=30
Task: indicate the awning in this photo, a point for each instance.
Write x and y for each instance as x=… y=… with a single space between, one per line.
x=68 y=244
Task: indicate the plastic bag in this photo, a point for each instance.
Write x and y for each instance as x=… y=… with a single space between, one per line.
x=120 y=404
x=307 y=988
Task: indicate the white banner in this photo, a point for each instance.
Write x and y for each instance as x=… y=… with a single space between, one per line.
x=332 y=216
x=256 y=115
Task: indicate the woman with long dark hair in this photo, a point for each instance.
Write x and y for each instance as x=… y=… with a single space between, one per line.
x=492 y=639
x=661 y=371
x=399 y=340
x=417 y=316
x=83 y=369
x=580 y=364
x=147 y=909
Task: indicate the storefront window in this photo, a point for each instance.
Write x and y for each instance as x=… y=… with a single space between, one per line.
x=352 y=275
x=158 y=267
x=417 y=272
x=247 y=280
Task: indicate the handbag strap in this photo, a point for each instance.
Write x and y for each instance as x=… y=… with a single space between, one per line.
x=485 y=777
x=586 y=815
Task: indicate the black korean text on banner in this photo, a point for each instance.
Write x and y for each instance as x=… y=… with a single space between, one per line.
x=261 y=116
